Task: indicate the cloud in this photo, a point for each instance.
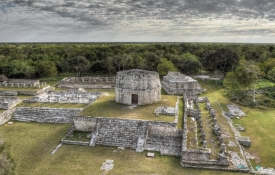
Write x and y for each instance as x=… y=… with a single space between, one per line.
x=173 y=17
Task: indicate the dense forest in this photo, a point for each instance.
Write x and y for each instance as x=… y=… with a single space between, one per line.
x=239 y=65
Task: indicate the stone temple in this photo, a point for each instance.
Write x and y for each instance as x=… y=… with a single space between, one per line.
x=137 y=87
x=178 y=84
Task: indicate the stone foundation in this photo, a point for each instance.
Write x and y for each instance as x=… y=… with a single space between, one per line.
x=8 y=102
x=45 y=115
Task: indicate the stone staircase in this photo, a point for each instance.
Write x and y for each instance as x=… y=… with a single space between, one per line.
x=47 y=115
x=118 y=132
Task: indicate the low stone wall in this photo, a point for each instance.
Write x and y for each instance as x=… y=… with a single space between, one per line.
x=8 y=93
x=6 y=116
x=26 y=92
x=47 y=115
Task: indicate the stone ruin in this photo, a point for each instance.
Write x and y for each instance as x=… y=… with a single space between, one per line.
x=234 y=110
x=76 y=95
x=8 y=82
x=87 y=82
x=177 y=83
x=8 y=102
x=165 y=111
x=138 y=87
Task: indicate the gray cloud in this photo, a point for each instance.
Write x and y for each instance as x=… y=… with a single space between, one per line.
x=154 y=17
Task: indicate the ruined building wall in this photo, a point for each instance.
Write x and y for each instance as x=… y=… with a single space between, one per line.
x=6 y=116
x=145 y=84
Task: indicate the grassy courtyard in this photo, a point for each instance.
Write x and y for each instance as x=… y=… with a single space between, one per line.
x=107 y=107
x=31 y=145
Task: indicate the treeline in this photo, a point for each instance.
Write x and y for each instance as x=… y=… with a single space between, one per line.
x=45 y=60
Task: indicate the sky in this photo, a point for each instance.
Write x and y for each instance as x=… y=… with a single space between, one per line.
x=230 y=21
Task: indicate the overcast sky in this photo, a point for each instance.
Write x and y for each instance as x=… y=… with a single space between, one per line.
x=246 y=21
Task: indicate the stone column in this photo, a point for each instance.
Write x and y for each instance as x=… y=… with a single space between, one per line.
x=223 y=148
x=204 y=144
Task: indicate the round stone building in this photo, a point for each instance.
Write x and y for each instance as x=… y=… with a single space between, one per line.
x=138 y=87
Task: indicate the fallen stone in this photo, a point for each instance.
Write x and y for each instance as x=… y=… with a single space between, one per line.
x=10 y=123
x=150 y=154
x=107 y=165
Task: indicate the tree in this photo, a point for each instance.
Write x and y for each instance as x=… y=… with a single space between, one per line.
x=189 y=64
x=231 y=83
x=79 y=63
x=109 y=65
x=247 y=74
x=222 y=59
x=46 y=69
x=271 y=74
x=164 y=66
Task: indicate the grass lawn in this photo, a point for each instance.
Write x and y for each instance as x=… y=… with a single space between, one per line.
x=31 y=145
x=52 y=105
x=107 y=107
x=259 y=125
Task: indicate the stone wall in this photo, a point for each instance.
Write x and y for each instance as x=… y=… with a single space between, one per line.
x=137 y=86
x=66 y=97
x=26 y=92
x=47 y=115
x=84 y=123
x=6 y=116
x=8 y=102
x=87 y=82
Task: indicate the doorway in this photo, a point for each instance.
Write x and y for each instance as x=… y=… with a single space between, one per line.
x=134 y=99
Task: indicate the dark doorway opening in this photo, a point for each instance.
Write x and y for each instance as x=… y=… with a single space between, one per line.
x=134 y=99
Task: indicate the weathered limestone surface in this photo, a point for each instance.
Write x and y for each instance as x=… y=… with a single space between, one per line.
x=69 y=96
x=87 y=82
x=26 y=92
x=177 y=83
x=47 y=115
x=6 y=116
x=84 y=123
x=140 y=84
x=8 y=102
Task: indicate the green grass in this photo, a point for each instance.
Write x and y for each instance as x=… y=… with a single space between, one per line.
x=107 y=107
x=32 y=144
x=52 y=105
x=259 y=124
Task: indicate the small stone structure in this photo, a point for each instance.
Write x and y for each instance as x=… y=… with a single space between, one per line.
x=165 y=111
x=138 y=87
x=234 y=110
x=4 y=81
x=87 y=82
x=177 y=83
x=77 y=95
x=8 y=102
